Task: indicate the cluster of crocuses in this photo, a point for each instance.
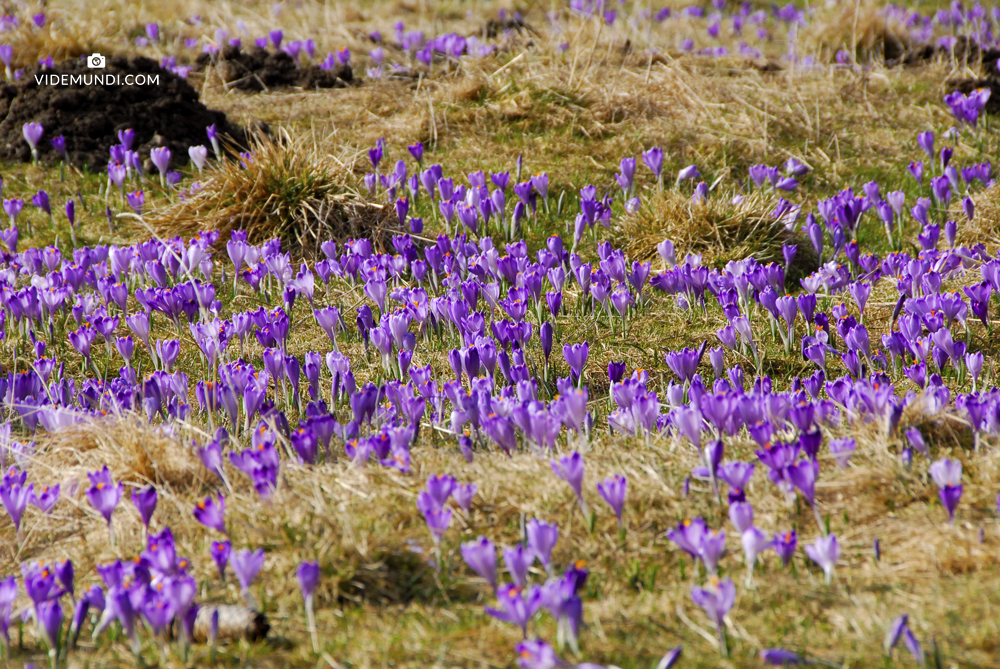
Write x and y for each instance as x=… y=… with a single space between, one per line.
x=481 y=306
x=518 y=603
x=155 y=588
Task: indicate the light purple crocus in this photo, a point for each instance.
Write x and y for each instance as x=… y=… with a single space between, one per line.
x=613 y=490
x=104 y=495
x=717 y=599
x=145 y=503
x=246 y=565
x=825 y=552
x=576 y=358
x=947 y=474
x=308 y=575
x=212 y=514
x=481 y=556
x=842 y=450
x=32 y=135
x=570 y=469
x=161 y=159
x=542 y=538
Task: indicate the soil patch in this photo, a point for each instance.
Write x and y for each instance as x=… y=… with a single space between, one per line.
x=165 y=113
x=258 y=69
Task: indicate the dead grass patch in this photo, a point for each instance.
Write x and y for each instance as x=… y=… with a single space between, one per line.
x=984 y=228
x=286 y=188
x=717 y=229
x=134 y=451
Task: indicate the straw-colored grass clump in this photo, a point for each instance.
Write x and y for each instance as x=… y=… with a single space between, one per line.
x=282 y=187
x=984 y=228
x=134 y=451
x=716 y=228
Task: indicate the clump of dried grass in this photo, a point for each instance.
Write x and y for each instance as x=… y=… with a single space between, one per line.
x=134 y=451
x=284 y=188
x=864 y=27
x=717 y=229
x=59 y=39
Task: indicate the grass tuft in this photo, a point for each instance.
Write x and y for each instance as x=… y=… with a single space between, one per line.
x=283 y=187
x=717 y=229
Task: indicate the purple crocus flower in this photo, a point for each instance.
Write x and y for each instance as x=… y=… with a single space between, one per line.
x=754 y=543
x=947 y=474
x=842 y=450
x=437 y=517
x=517 y=607
x=654 y=161
x=570 y=469
x=8 y=594
x=684 y=363
x=464 y=493
x=737 y=475
x=45 y=498
x=15 y=496
x=145 y=502
x=803 y=477
x=518 y=562
x=213 y=137
x=825 y=552
x=220 y=552
x=481 y=557
x=32 y=135
x=212 y=514
x=779 y=657
x=542 y=538
x=104 y=495
x=741 y=516
x=545 y=335
x=59 y=144
x=894 y=633
x=246 y=565
x=160 y=156
x=784 y=546
x=417 y=151
x=716 y=600
x=613 y=490
x=308 y=575
x=689 y=172
x=49 y=617
x=671 y=659
x=536 y=654
x=198 y=155
x=440 y=487
x=576 y=358
x=913 y=645
x=926 y=142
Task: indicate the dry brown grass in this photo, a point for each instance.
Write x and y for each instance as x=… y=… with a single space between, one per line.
x=134 y=450
x=862 y=27
x=984 y=228
x=286 y=188
x=717 y=229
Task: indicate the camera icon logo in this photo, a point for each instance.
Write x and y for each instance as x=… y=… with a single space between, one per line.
x=95 y=61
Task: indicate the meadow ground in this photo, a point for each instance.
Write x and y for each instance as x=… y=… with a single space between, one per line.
x=569 y=95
